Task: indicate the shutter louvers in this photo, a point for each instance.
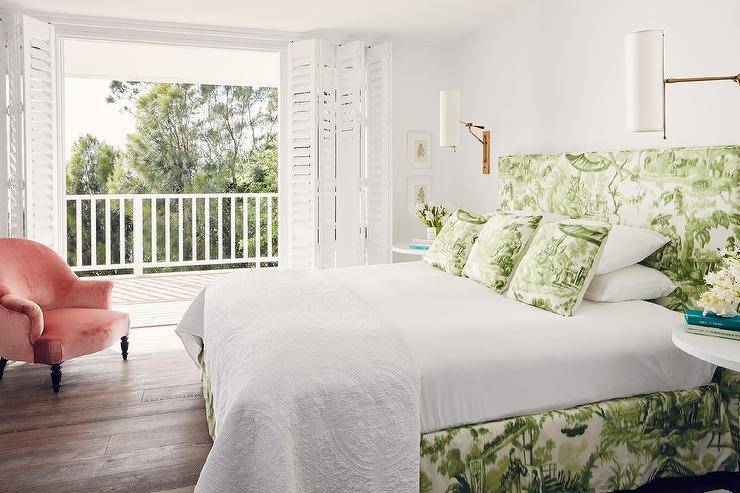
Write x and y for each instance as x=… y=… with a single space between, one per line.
x=303 y=152
x=39 y=130
x=326 y=191
x=350 y=81
x=377 y=181
x=14 y=186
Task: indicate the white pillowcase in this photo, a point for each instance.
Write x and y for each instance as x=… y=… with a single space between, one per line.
x=635 y=282
x=627 y=246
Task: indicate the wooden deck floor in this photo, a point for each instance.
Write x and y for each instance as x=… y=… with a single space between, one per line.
x=159 y=300
x=135 y=426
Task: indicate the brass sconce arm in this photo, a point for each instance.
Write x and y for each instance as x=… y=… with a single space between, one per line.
x=485 y=139
x=674 y=80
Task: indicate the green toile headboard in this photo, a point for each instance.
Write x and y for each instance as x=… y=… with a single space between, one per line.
x=690 y=195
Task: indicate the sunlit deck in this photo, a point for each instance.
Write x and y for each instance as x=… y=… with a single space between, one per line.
x=159 y=299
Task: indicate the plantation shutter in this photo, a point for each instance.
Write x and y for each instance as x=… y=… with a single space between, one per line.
x=338 y=134
x=350 y=82
x=12 y=184
x=32 y=135
x=303 y=152
x=326 y=190
x=376 y=175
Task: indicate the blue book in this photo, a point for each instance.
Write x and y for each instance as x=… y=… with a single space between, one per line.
x=696 y=317
x=419 y=247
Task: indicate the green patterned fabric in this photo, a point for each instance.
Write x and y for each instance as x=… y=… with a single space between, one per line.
x=451 y=248
x=558 y=266
x=207 y=395
x=612 y=445
x=499 y=248
x=729 y=389
x=689 y=195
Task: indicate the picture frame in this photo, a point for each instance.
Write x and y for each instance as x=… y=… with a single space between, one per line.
x=418 y=188
x=419 y=149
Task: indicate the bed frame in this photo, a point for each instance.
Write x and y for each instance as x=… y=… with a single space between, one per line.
x=687 y=194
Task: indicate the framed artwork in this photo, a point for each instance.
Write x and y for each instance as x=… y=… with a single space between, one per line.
x=418 y=189
x=419 y=149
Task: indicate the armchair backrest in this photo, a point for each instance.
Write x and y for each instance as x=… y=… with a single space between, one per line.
x=33 y=271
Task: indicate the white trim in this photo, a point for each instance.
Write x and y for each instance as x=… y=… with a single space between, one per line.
x=173 y=33
x=61 y=161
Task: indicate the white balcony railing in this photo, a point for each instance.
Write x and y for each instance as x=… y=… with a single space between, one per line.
x=153 y=231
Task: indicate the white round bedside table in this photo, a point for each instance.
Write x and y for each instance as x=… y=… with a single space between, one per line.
x=405 y=248
x=715 y=350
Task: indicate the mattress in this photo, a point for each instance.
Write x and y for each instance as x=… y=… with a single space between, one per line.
x=482 y=356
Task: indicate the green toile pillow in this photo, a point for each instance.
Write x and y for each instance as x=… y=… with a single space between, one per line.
x=499 y=248
x=557 y=268
x=451 y=248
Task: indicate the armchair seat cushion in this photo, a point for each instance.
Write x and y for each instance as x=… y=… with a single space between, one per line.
x=72 y=332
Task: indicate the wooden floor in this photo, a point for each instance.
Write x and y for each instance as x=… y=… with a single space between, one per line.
x=135 y=426
x=156 y=300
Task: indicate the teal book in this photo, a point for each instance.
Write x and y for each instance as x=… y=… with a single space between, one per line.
x=696 y=317
x=420 y=247
x=713 y=332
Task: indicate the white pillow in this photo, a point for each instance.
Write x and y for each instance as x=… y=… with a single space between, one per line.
x=627 y=246
x=635 y=282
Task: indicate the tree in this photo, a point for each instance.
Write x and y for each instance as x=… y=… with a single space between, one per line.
x=91 y=166
x=200 y=138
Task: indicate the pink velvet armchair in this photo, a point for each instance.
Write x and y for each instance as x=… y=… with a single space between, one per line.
x=47 y=314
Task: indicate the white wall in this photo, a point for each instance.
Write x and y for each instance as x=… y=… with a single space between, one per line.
x=419 y=72
x=549 y=77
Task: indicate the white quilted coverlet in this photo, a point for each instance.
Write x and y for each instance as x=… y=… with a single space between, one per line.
x=312 y=391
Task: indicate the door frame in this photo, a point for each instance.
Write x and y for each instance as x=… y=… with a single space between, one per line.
x=105 y=29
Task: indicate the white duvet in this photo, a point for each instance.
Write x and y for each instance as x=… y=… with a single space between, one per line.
x=477 y=355
x=482 y=356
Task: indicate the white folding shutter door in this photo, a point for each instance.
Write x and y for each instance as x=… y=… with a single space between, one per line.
x=39 y=129
x=4 y=113
x=350 y=82
x=303 y=152
x=377 y=196
x=326 y=189
x=14 y=186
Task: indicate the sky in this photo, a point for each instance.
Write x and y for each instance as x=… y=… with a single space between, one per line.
x=85 y=111
x=89 y=66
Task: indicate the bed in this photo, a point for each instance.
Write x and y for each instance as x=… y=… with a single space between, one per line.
x=331 y=390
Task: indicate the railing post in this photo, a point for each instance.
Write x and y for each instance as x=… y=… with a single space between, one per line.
x=138 y=237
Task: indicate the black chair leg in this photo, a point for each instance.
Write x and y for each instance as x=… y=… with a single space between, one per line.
x=3 y=362
x=56 y=376
x=124 y=347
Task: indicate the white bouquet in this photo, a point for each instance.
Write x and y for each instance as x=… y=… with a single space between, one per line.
x=723 y=297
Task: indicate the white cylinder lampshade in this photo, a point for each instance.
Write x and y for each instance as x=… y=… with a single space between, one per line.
x=645 y=81
x=449 y=118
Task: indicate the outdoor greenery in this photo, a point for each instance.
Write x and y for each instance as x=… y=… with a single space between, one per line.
x=188 y=138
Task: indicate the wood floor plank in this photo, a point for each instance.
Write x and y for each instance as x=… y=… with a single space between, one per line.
x=128 y=426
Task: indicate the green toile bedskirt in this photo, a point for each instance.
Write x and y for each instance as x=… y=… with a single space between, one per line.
x=611 y=445
x=606 y=446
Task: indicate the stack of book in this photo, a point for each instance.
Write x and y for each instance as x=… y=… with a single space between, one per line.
x=712 y=325
x=421 y=244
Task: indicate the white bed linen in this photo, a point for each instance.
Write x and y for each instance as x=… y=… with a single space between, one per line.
x=311 y=390
x=482 y=356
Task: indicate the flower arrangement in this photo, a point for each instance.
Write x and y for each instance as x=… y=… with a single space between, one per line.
x=430 y=215
x=724 y=296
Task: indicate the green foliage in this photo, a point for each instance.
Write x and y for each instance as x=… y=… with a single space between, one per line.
x=91 y=166
x=189 y=138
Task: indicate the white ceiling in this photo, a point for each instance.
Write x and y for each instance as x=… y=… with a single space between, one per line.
x=421 y=20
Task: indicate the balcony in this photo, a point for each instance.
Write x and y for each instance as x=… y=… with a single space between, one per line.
x=154 y=233
x=162 y=249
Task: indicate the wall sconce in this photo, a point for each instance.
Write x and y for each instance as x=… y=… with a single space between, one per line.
x=449 y=127
x=646 y=81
